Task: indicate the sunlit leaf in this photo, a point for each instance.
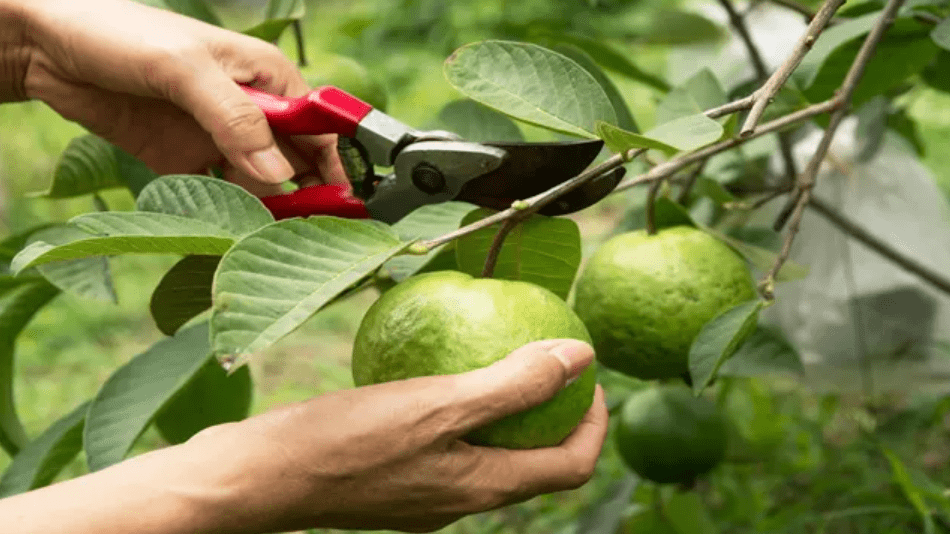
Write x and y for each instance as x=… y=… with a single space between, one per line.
x=532 y=84
x=545 y=251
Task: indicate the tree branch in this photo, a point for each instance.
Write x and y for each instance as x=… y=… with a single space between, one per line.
x=730 y=108
x=842 y=101
x=884 y=249
x=495 y=250
x=766 y=94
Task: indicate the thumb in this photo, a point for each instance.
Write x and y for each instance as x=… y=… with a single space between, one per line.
x=237 y=125
x=525 y=378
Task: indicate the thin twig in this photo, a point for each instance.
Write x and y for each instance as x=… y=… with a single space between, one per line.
x=691 y=182
x=674 y=165
x=842 y=101
x=878 y=245
x=766 y=94
x=495 y=250
x=739 y=24
x=298 y=37
x=732 y=107
x=762 y=75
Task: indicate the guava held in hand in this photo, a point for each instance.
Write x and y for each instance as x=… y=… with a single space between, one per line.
x=644 y=298
x=447 y=322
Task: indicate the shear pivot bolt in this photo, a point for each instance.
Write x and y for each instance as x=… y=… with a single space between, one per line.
x=428 y=178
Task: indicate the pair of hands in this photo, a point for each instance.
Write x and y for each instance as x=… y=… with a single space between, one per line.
x=162 y=87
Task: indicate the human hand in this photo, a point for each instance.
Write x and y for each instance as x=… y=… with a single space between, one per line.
x=164 y=88
x=391 y=455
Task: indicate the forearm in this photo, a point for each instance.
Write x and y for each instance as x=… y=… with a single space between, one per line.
x=163 y=492
x=16 y=49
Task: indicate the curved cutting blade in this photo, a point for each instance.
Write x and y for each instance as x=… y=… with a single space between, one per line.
x=532 y=168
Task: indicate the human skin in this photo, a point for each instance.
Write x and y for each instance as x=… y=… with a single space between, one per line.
x=162 y=87
x=383 y=456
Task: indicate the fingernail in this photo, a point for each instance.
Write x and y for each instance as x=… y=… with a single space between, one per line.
x=271 y=165
x=575 y=355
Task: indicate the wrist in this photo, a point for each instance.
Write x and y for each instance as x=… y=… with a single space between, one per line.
x=16 y=49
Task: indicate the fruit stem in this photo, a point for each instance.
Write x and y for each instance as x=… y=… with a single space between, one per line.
x=651 y=206
x=495 y=250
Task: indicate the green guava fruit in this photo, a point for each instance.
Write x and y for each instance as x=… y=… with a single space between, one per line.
x=645 y=298
x=667 y=435
x=447 y=322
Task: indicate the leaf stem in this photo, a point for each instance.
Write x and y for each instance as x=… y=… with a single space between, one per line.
x=301 y=48
x=495 y=250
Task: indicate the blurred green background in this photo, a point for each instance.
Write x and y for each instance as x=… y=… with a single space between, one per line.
x=802 y=461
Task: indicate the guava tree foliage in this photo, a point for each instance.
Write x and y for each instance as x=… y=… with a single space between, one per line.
x=245 y=281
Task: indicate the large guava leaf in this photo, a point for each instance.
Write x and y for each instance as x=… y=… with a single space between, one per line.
x=85 y=277
x=477 y=122
x=87 y=165
x=178 y=214
x=766 y=352
x=719 y=339
x=20 y=299
x=545 y=251
x=183 y=293
x=274 y=279
x=530 y=83
x=426 y=222
x=621 y=109
x=38 y=463
x=129 y=399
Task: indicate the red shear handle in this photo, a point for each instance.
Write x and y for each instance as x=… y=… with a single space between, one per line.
x=325 y=110
x=331 y=199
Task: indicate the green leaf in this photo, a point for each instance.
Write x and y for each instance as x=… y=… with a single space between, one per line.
x=935 y=73
x=941 y=34
x=87 y=165
x=129 y=399
x=687 y=133
x=198 y=9
x=708 y=187
x=674 y=27
x=698 y=94
x=426 y=222
x=688 y=514
x=114 y=233
x=667 y=213
x=910 y=490
x=609 y=58
x=872 y=125
x=766 y=352
x=532 y=84
x=831 y=39
x=38 y=463
x=211 y=200
x=905 y=51
x=477 y=122
x=291 y=9
x=542 y=250
x=20 y=299
x=761 y=258
x=269 y=30
x=211 y=397
x=12 y=244
x=606 y=515
x=621 y=110
x=135 y=174
x=719 y=339
x=86 y=277
x=619 y=140
x=183 y=293
x=273 y=280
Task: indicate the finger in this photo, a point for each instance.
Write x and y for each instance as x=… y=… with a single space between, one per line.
x=525 y=378
x=567 y=466
x=238 y=127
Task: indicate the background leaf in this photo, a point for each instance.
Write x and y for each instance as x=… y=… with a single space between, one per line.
x=941 y=34
x=89 y=278
x=20 y=299
x=278 y=277
x=542 y=250
x=87 y=165
x=477 y=122
x=687 y=133
x=211 y=397
x=198 y=9
x=619 y=140
x=606 y=515
x=129 y=399
x=183 y=293
x=532 y=84
x=718 y=341
x=700 y=92
x=426 y=222
x=38 y=463
x=766 y=352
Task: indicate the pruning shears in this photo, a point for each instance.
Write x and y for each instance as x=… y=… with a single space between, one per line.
x=428 y=167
